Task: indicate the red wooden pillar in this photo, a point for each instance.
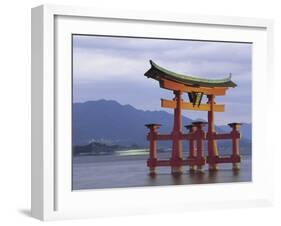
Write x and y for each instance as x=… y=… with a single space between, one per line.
x=212 y=144
x=199 y=137
x=192 y=146
x=235 y=134
x=151 y=136
x=176 y=167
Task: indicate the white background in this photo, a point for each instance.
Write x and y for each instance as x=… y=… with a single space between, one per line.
x=156 y=199
x=15 y=112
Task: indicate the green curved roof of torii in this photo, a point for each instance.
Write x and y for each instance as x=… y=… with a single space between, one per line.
x=156 y=72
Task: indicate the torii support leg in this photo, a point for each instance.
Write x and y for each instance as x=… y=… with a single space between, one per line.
x=235 y=133
x=212 y=144
x=199 y=137
x=176 y=167
x=192 y=147
x=152 y=148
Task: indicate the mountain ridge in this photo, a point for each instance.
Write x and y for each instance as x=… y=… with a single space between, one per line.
x=109 y=122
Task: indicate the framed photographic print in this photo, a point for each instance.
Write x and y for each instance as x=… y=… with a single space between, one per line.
x=137 y=112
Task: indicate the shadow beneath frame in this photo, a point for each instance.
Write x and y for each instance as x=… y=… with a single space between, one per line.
x=26 y=212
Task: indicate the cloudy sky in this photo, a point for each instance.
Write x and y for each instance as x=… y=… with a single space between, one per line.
x=113 y=68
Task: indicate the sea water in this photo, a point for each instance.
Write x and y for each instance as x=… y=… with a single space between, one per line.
x=129 y=169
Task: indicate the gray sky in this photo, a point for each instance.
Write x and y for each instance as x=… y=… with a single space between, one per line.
x=113 y=68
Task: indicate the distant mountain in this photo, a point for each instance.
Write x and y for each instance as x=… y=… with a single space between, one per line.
x=108 y=122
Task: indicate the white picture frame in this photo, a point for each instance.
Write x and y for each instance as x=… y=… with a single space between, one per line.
x=52 y=197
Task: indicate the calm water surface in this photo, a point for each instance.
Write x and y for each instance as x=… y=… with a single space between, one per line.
x=96 y=172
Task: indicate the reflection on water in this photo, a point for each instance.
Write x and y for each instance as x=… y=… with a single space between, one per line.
x=96 y=172
x=199 y=177
x=132 y=152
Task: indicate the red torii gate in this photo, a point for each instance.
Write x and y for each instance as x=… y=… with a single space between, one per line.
x=195 y=88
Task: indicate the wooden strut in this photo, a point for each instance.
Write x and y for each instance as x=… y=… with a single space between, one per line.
x=190 y=106
x=176 y=135
x=196 y=159
x=196 y=137
x=212 y=144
